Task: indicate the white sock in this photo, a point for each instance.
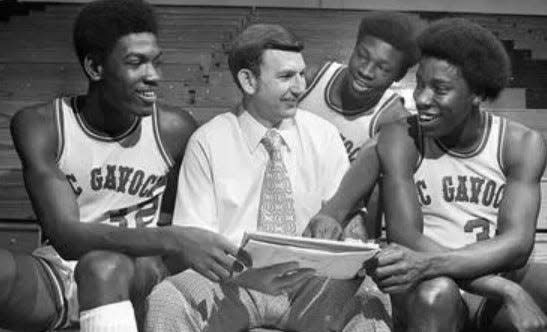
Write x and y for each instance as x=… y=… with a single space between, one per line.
x=114 y=317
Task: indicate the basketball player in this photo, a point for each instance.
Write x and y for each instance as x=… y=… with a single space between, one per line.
x=96 y=168
x=357 y=97
x=462 y=194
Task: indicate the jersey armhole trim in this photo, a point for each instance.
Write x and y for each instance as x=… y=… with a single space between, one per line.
x=316 y=79
x=501 y=144
x=373 y=126
x=155 y=124
x=60 y=126
x=421 y=146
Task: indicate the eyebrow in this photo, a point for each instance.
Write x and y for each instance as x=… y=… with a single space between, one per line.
x=142 y=55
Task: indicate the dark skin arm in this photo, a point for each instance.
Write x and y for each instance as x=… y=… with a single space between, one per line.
x=176 y=127
x=34 y=134
x=358 y=183
x=399 y=268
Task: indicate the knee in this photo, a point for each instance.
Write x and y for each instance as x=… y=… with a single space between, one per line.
x=437 y=295
x=104 y=268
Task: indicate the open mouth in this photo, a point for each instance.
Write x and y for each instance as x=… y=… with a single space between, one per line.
x=428 y=118
x=147 y=96
x=359 y=85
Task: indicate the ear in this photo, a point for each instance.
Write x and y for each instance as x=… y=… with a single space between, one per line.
x=93 y=69
x=477 y=100
x=248 y=81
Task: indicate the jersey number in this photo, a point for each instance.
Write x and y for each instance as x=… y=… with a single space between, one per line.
x=144 y=213
x=480 y=223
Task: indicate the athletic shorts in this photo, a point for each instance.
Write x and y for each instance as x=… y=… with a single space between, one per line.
x=61 y=275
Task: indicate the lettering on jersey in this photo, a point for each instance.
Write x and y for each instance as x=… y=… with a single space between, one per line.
x=351 y=148
x=125 y=180
x=74 y=184
x=462 y=188
x=422 y=197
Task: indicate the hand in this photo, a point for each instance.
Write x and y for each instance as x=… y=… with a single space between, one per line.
x=523 y=311
x=355 y=229
x=208 y=253
x=324 y=227
x=274 y=279
x=397 y=269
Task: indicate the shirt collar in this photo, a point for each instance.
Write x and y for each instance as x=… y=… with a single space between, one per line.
x=253 y=131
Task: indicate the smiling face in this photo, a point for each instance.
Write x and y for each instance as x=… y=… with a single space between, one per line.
x=278 y=86
x=443 y=98
x=373 y=64
x=130 y=74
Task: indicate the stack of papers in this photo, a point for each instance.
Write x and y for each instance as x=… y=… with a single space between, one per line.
x=334 y=259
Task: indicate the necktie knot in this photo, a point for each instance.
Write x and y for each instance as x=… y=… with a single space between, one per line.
x=272 y=141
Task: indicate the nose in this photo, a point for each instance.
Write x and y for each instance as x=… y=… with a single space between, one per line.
x=152 y=74
x=298 y=85
x=422 y=97
x=367 y=70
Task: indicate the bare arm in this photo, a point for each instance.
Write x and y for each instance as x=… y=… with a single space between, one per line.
x=398 y=154
x=54 y=201
x=357 y=183
x=516 y=221
x=176 y=127
x=525 y=156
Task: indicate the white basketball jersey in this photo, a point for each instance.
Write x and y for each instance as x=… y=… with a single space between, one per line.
x=460 y=193
x=117 y=180
x=355 y=129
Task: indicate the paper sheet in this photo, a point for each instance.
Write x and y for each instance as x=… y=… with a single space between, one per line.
x=334 y=259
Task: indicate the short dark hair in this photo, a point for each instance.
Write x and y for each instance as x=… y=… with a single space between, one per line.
x=100 y=24
x=481 y=57
x=397 y=29
x=248 y=47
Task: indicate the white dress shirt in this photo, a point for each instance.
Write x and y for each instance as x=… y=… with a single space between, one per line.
x=221 y=175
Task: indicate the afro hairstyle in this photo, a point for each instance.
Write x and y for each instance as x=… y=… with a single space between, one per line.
x=481 y=57
x=100 y=24
x=397 y=29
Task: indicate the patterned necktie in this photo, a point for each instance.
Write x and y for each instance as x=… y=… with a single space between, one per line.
x=276 y=210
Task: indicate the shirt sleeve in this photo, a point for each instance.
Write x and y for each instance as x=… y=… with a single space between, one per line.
x=336 y=163
x=195 y=203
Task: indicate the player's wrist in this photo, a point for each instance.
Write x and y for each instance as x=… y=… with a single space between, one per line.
x=170 y=238
x=432 y=265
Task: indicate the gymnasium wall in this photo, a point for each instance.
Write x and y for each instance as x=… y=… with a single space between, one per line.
x=522 y=7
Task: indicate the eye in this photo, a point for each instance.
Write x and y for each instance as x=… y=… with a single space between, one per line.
x=385 y=68
x=441 y=90
x=133 y=61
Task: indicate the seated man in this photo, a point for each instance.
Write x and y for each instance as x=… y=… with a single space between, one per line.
x=96 y=168
x=357 y=97
x=462 y=192
x=266 y=166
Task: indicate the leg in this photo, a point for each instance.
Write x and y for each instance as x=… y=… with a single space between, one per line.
x=28 y=299
x=108 y=282
x=531 y=279
x=190 y=302
x=434 y=305
x=337 y=305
